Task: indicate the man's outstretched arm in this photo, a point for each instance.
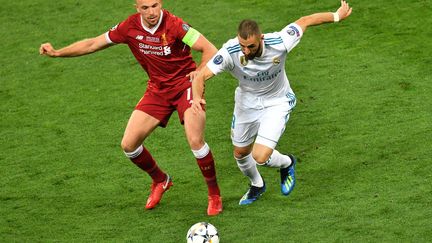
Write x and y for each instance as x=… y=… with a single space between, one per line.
x=198 y=88
x=206 y=48
x=319 y=18
x=78 y=48
x=198 y=42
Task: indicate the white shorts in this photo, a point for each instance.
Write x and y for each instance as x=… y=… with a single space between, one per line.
x=262 y=119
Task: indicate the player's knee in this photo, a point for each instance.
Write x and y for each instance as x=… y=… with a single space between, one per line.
x=260 y=158
x=196 y=142
x=127 y=146
x=131 y=154
x=239 y=154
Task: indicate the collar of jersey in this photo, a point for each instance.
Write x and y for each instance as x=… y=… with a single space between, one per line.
x=152 y=30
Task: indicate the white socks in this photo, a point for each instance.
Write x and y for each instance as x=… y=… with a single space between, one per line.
x=247 y=166
x=134 y=154
x=202 y=152
x=278 y=160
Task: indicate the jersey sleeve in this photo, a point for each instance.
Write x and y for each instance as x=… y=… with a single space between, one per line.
x=184 y=32
x=180 y=27
x=220 y=62
x=291 y=36
x=118 y=33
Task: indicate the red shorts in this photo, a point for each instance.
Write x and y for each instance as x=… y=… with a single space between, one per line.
x=161 y=105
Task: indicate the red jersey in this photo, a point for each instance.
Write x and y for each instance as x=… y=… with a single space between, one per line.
x=160 y=50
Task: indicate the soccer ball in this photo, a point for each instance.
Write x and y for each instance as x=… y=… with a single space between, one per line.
x=202 y=232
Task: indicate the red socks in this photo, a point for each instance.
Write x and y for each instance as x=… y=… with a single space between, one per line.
x=143 y=159
x=207 y=167
x=146 y=162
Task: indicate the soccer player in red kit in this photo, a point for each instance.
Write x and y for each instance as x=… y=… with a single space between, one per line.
x=161 y=43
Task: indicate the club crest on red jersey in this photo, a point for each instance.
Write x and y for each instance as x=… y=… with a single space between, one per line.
x=164 y=39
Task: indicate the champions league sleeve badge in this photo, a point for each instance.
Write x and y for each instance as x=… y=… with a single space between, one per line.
x=218 y=59
x=114 y=27
x=185 y=27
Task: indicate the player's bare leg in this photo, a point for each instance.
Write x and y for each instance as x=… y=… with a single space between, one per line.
x=194 y=124
x=261 y=153
x=139 y=127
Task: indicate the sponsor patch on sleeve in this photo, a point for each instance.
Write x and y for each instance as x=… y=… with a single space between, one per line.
x=292 y=30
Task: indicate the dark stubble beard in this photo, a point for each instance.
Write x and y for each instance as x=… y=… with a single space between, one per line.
x=257 y=53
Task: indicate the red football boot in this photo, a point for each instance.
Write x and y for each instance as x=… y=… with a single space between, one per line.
x=157 y=190
x=214 y=205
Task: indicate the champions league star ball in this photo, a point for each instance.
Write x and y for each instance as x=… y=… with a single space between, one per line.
x=202 y=232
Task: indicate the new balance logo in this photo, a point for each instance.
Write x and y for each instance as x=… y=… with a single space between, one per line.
x=139 y=37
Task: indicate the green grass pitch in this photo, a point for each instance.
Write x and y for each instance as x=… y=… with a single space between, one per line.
x=362 y=129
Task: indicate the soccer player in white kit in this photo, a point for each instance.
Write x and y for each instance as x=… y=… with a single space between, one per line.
x=264 y=98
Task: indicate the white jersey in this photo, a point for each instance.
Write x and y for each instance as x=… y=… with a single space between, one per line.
x=264 y=76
